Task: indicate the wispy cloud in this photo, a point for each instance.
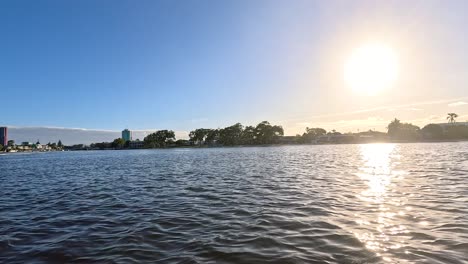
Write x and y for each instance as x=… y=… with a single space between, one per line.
x=304 y=117
x=460 y=103
x=379 y=119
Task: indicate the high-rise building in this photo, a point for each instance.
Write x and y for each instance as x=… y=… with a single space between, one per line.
x=3 y=136
x=127 y=135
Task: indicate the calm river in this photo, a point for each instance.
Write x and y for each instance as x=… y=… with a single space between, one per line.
x=382 y=203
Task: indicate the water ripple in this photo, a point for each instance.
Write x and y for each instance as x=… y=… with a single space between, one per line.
x=382 y=203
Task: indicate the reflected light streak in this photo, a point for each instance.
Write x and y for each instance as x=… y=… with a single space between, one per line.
x=377 y=173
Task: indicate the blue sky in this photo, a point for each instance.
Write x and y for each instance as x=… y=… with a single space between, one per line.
x=187 y=64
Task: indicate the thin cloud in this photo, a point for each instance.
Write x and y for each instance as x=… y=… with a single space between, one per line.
x=306 y=118
x=460 y=103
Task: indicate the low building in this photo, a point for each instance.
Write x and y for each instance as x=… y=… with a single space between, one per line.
x=336 y=139
x=137 y=144
x=24 y=148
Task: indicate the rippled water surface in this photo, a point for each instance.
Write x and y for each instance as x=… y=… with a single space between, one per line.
x=384 y=203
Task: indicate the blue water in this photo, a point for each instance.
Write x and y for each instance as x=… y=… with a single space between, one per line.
x=383 y=203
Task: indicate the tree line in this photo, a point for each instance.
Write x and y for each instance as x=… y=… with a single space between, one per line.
x=237 y=134
x=398 y=130
x=266 y=133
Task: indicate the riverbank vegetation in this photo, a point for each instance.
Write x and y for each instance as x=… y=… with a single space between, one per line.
x=262 y=134
x=266 y=133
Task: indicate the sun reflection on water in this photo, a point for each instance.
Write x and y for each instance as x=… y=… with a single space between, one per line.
x=376 y=171
x=380 y=228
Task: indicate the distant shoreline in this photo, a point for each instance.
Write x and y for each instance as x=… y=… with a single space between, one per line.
x=237 y=146
x=269 y=145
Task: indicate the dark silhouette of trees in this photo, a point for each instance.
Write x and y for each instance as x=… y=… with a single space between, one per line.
x=403 y=131
x=237 y=134
x=212 y=137
x=231 y=135
x=182 y=143
x=432 y=131
x=268 y=134
x=393 y=127
x=199 y=135
x=334 y=132
x=311 y=134
x=159 y=139
x=249 y=136
x=455 y=132
x=265 y=133
x=451 y=117
x=118 y=143
x=101 y=146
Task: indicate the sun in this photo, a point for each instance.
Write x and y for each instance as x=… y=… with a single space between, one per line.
x=371 y=69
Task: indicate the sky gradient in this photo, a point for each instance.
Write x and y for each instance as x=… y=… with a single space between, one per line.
x=180 y=65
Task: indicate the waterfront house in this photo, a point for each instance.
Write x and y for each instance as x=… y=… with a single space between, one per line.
x=335 y=139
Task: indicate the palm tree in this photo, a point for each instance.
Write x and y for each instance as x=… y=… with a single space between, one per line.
x=394 y=126
x=451 y=117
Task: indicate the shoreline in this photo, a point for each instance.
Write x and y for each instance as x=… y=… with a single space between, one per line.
x=245 y=146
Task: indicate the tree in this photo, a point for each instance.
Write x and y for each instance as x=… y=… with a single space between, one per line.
x=59 y=144
x=311 y=134
x=182 y=142
x=101 y=146
x=267 y=134
x=263 y=133
x=451 y=117
x=11 y=143
x=248 y=136
x=199 y=135
x=403 y=131
x=212 y=136
x=433 y=131
x=159 y=139
x=231 y=135
x=118 y=143
x=1 y=147
x=457 y=132
x=393 y=127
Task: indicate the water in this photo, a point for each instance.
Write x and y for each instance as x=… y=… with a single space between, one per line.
x=384 y=203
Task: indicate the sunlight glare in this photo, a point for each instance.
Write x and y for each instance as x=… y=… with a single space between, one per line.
x=371 y=68
x=378 y=174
